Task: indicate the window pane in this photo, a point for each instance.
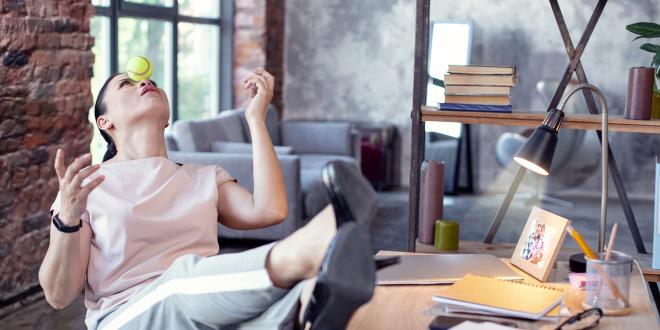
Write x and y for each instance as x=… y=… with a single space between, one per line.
x=165 y=3
x=100 y=29
x=151 y=38
x=198 y=70
x=200 y=8
x=104 y=3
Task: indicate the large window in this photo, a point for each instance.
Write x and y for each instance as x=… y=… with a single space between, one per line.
x=188 y=41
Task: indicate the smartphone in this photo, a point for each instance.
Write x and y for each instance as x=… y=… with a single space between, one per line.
x=443 y=322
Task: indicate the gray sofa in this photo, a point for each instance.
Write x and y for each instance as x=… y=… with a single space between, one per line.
x=302 y=149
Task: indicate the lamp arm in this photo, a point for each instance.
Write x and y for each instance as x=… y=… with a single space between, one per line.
x=604 y=155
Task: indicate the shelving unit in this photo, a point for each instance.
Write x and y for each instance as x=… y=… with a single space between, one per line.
x=590 y=121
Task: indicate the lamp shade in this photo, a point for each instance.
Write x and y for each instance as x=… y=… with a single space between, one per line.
x=536 y=154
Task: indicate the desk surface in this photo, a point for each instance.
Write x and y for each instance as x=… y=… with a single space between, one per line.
x=410 y=306
x=505 y=250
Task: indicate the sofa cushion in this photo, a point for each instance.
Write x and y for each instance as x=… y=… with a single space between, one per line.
x=324 y=138
x=197 y=135
x=245 y=148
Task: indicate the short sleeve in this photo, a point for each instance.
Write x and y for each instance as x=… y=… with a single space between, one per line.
x=55 y=208
x=222 y=176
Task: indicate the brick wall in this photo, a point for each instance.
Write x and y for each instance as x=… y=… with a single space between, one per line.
x=258 y=42
x=46 y=60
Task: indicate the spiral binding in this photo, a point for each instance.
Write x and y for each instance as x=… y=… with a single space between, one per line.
x=521 y=283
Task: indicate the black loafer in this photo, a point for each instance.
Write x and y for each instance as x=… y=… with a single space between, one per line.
x=349 y=192
x=345 y=282
x=335 y=192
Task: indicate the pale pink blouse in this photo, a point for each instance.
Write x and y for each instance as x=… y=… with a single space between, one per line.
x=145 y=214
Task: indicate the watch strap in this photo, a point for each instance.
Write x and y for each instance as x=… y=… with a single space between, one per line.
x=64 y=228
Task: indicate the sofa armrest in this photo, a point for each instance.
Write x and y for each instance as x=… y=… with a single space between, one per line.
x=240 y=167
x=318 y=137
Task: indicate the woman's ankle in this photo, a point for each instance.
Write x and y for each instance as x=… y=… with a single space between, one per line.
x=299 y=256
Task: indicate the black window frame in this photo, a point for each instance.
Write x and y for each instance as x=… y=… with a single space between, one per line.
x=123 y=8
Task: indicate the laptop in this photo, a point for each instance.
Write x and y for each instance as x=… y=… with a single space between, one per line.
x=443 y=269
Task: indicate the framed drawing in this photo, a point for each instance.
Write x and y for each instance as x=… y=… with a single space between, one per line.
x=539 y=243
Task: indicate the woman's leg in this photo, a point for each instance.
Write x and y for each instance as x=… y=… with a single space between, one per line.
x=212 y=292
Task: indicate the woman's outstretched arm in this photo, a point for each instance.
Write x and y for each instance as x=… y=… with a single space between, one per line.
x=63 y=270
x=237 y=207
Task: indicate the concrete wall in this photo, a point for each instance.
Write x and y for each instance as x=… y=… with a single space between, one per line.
x=354 y=60
x=351 y=60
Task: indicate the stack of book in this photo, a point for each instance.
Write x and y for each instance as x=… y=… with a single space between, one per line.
x=479 y=88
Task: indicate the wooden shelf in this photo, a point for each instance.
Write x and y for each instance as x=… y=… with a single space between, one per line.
x=534 y=119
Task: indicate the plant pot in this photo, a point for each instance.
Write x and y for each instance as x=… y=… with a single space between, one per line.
x=640 y=93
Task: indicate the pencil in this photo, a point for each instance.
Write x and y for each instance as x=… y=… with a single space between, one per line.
x=610 y=244
x=583 y=245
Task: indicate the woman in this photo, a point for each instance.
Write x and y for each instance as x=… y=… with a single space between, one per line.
x=138 y=231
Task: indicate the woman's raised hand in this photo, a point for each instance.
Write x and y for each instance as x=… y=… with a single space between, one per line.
x=73 y=196
x=261 y=85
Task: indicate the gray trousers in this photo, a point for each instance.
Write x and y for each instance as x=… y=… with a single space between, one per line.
x=228 y=291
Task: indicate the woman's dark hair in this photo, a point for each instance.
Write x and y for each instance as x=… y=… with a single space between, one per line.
x=99 y=110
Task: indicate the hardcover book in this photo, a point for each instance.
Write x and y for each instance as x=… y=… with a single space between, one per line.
x=475 y=107
x=482 y=69
x=480 y=79
x=477 y=90
x=478 y=99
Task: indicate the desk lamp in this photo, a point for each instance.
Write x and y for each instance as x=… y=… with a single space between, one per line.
x=536 y=154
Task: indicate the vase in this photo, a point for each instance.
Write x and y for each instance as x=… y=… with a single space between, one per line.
x=640 y=91
x=655 y=102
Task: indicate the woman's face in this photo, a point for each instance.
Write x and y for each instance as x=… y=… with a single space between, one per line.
x=129 y=102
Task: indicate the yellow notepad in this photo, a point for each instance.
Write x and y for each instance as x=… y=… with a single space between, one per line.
x=502 y=297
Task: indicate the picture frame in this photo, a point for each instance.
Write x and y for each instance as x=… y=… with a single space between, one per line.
x=539 y=243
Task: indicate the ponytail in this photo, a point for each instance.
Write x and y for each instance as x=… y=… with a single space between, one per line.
x=111 y=151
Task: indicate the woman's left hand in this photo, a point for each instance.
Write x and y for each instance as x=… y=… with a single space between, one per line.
x=261 y=85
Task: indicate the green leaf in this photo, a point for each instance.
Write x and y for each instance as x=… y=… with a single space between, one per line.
x=651 y=48
x=645 y=29
x=656 y=64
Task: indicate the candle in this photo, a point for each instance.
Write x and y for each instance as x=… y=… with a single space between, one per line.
x=446 y=235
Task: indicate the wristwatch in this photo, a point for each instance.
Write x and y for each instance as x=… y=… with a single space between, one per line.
x=64 y=228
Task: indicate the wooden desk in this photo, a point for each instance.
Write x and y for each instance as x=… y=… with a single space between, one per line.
x=411 y=307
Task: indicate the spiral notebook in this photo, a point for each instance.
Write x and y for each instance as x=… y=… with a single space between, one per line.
x=502 y=297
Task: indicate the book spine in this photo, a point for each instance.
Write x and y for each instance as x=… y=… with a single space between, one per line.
x=475 y=107
x=480 y=69
x=478 y=90
x=480 y=80
x=473 y=99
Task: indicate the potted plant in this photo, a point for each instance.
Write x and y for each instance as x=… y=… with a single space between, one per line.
x=650 y=30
